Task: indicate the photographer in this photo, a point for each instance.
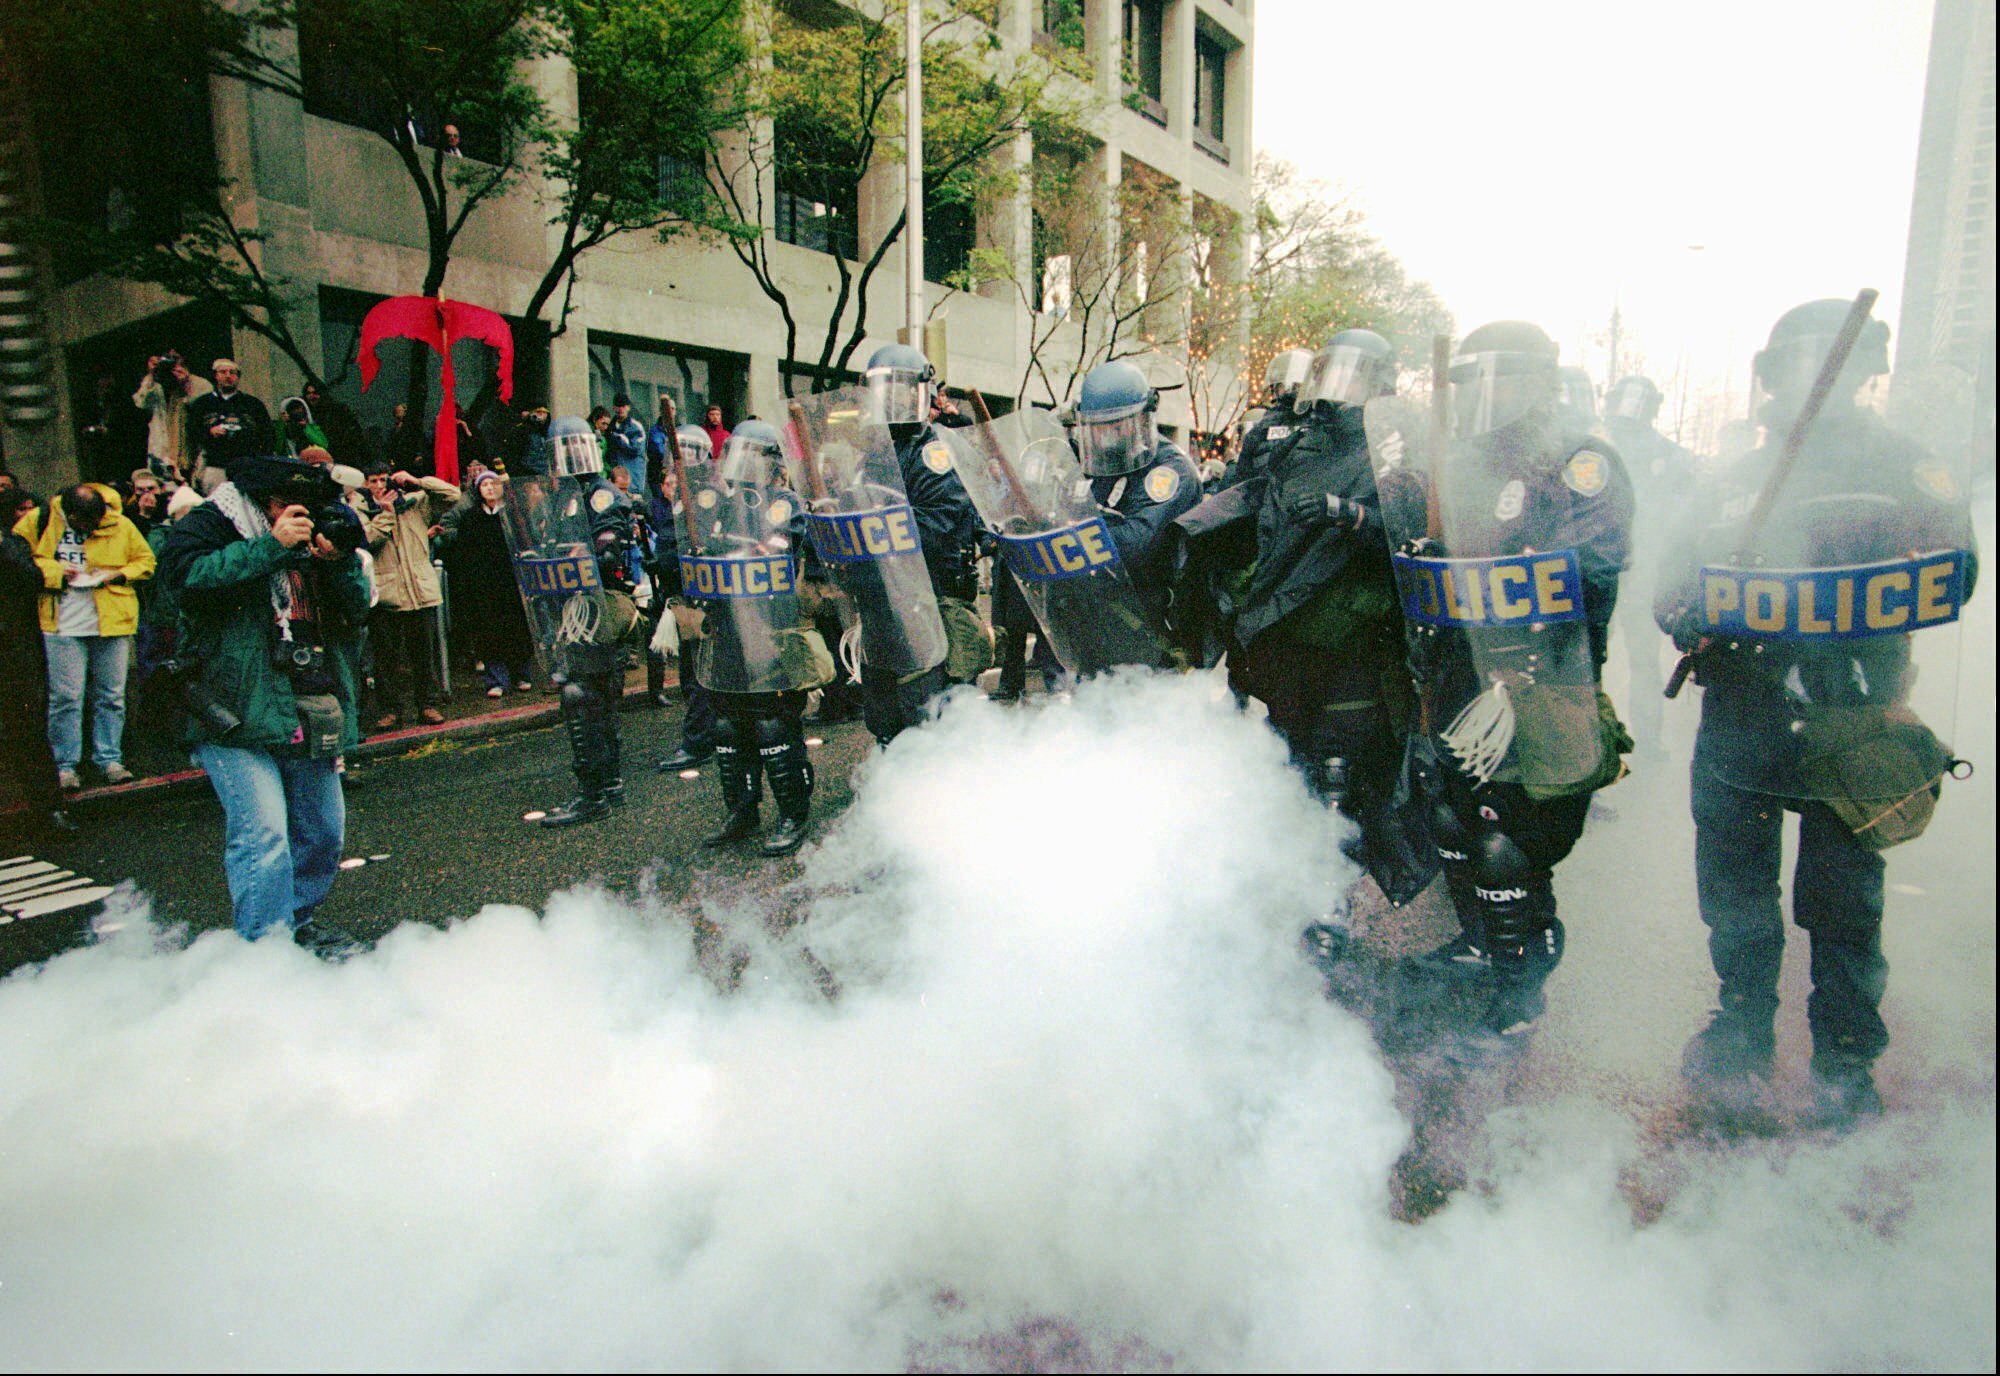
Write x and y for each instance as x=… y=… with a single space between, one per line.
x=164 y=394
x=272 y=601
x=401 y=510
x=226 y=425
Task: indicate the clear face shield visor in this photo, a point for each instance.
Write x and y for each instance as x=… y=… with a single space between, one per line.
x=1491 y=391
x=1115 y=444
x=696 y=451
x=574 y=456
x=1345 y=376
x=1287 y=371
x=1786 y=373
x=748 y=462
x=898 y=396
x=1632 y=403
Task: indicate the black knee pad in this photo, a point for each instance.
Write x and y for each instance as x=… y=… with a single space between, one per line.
x=1514 y=895
x=1454 y=840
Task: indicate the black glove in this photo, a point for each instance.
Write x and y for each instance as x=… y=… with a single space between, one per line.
x=1316 y=508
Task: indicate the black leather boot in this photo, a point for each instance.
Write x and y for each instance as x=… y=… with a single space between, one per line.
x=736 y=768
x=585 y=807
x=782 y=746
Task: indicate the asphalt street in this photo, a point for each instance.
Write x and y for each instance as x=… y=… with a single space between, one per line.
x=447 y=823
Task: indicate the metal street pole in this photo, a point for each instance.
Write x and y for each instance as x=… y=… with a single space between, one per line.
x=913 y=173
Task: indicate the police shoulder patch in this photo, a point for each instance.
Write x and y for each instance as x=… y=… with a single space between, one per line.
x=706 y=499
x=937 y=457
x=1935 y=479
x=778 y=511
x=1163 y=482
x=1278 y=432
x=601 y=500
x=1586 y=473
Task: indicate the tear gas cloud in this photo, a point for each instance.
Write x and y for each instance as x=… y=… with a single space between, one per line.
x=1077 y=1071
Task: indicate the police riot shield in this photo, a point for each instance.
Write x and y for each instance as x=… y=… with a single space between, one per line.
x=1031 y=491
x=1830 y=656
x=577 y=621
x=1493 y=603
x=740 y=527
x=860 y=522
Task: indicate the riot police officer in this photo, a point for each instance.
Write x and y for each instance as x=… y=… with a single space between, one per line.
x=671 y=542
x=1320 y=622
x=1514 y=593
x=1139 y=479
x=1662 y=475
x=901 y=390
x=758 y=657
x=1787 y=692
x=1281 y=389
x=588 y=636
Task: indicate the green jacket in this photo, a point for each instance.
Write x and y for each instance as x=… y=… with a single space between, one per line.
x=227 y=627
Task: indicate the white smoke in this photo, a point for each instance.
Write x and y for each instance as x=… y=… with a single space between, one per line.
x=1078 y=1100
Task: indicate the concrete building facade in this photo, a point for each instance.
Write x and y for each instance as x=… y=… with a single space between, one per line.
x=1945 y=334
x=336 y=213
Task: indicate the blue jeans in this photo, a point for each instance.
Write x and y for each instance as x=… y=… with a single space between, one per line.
x=101 y=661
x=285 y=822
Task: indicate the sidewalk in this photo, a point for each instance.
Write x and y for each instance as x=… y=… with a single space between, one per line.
x=469 y=715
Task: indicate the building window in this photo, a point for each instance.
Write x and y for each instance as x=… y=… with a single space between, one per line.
x=336 y=89
x=1145 y=29
x=1211 y=63
x=950 y=234
x=814 y=210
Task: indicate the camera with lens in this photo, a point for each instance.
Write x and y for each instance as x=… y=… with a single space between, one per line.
x=163 y=371
x=341 y=525
x=201 y=704
x=298 y=657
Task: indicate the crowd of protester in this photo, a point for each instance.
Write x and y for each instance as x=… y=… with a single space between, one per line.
x=89 y=635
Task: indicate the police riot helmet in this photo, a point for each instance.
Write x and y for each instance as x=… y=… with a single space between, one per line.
x=696 y=447
x=754 y=455
x=1789 y=363
x=899 y=380
x=1282 y=378
x=576 y=449
x=1114 y=420
x=1577 y=395
x=1350 y=369
x=1633 y=398
x=1501 y=374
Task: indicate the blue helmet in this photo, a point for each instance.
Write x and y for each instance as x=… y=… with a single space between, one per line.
x=899 y=380
x=576 y=449
x=1114 y=420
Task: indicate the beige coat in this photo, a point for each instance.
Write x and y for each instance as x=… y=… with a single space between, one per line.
x=166 y=420
x=405 y=580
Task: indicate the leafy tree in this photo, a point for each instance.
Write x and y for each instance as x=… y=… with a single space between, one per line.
x=1099 y=286
x=118 y=96
x=1316 y=269
x=825 y=98
x=658 y=81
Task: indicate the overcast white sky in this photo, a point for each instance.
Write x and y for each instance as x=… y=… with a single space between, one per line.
x=1537 y=159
